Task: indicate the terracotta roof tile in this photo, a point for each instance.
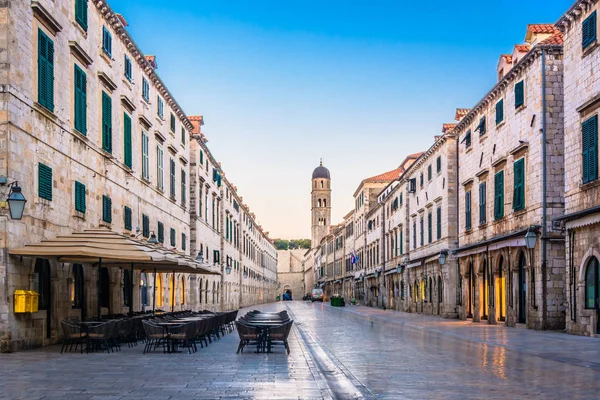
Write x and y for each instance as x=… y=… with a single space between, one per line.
x=386 y=176
x=522 y=48
x=542 y=28
x=415 y=155
x=507 y=57
x=152 y=61
x=447 y=127
x=557 y=38
x=460 y=113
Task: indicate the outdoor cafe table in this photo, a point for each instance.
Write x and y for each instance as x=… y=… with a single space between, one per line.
x=264 y=326
x=166 y=326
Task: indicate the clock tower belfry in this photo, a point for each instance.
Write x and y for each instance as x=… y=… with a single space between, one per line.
x=320 y=204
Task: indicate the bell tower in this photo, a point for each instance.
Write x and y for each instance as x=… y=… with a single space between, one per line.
x=320 y=204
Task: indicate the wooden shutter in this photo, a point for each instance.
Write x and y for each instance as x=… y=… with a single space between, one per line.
x=482 y=203
x=127 y=140
x=588 y=30
x=589 y=142
x=145 y=225
x=468 y=210
x=439 y=223
x=127 y=217
x=172 y=123
x=45 y=71
x=106 y=123
x=430 y=227
x=80 y=197
x=172 y=234
x=81 y=13
x=161 y=232
x=183 y=241
x=519 y=94
x=519 y=185
x=499 y=111
x=499 y=195
x=80 y=100
x=106 y=209
x=106 y=41
x=44 y=181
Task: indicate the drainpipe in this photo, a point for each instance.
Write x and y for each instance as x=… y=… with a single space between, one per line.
x=544 y=190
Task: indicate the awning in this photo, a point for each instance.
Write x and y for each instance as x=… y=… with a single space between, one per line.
x=413 y=264
x=111 y=248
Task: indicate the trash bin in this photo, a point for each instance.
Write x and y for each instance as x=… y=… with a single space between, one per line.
x=278 y=298
x=21 y=301
x=33 y=300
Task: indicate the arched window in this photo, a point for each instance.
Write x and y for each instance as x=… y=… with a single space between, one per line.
x=319 y=202
x=41 y=284
x=206 y=291
x=321 y=184
x=171 y=290
x=440 y=289
x=182 y=291
x=127 y=283
x=402 y=290
x=77 y=287
x=160 y=294
x=214 y=291
x=104 y=288
x=324 y=202
x=144 y=289
x=592 y=283
x=200 y=290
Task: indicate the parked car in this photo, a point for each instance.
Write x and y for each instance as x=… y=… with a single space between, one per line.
x=317 y=295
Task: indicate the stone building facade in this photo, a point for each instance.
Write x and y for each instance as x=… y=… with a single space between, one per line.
x=291 y=273
x=502 y=187
x=581 y=221
x=95 y=139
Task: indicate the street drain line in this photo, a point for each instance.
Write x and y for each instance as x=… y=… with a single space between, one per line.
x=342 y=383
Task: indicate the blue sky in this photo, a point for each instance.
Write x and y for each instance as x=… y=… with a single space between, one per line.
x=360 y=84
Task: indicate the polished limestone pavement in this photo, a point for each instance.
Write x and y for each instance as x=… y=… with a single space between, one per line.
x=342 y=353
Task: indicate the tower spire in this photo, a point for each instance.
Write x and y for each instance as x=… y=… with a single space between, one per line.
x=321 y=162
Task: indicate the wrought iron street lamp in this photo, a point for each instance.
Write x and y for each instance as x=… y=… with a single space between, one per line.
x=16 y=201
x=530 y=238
x=443 y=256
x=228 y=269
x=399 y=268
x=200 y=257
x=153 y=239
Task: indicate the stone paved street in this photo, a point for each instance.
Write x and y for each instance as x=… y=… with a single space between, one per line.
x=335 y=353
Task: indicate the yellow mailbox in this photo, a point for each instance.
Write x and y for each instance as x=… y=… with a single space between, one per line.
x=21 y=301
x=32 y=300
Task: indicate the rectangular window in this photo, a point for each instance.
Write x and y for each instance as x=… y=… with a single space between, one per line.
x=127 y=158
x=106 y=42
x=106 y=209
x=106 y=123
x=145 y=90
x=145 y=160
x=81 y=13
x=481 y=127
x=422 y=231
x=183 y=187
x=519 y=185
x=519 y=94
x=145 y=225
x=172 y=123
x=401 y=241
x=482 y=203
x=430 y=227
x=588 y=30
x=161 y=232
x=467 y=139
x=499 y=195
x=160 y=174
x=499 y=111
x=201 y=158
x=200 y=200
x=183 y=241
x=439 y=223
x=45 y=71
x=160 y=106
x=172 y=180
x=183 y=135
x=438 y=164
x=79 y=197
x=127 y=217
x=172 y=234
x=421 y=179
x=80 y=100
x=468 y=210
x=127 y=69
x=589 y=144
x=44 y=181
x=429 y=173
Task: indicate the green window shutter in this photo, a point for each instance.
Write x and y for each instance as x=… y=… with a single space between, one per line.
x=430 y=227
x=172 y=174
x=106 y=209
x=81 y=13
x=401 y=241
x=44 y=181
x=172 y=123
x=127 y=147
x=481 y=127
x=588 y=30
x=160 y=110
x=183 y=241
x=429 y=173
x=183 y=187
x=422 y=232
x=106 y=41
x=439 y=223
x=214 y=174
x=80 y=100
x=172 y=233
x=161 y=232
x=519 y=94
x=145 y=90
x=127 y=217
x=145 y=225
x=589 y=132
x=438 y=163
x=499 y=195
x=499 y=111
x=106 y=123
x=201 y=158
x=79 y=197
x=468 y=210
x=127 y=71
x=519 y=185
x=227 y=227
x=182 y=135
x=45 y=71
x=482 y=203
